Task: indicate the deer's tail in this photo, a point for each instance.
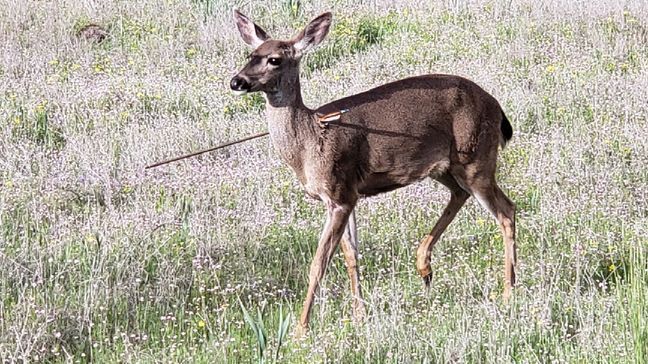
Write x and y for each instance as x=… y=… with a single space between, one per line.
x=507 y=130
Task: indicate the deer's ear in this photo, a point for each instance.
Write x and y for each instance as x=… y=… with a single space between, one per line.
x=251 y=33
x=313 y=34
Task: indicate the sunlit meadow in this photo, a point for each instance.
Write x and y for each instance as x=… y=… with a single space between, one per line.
x=205 y=260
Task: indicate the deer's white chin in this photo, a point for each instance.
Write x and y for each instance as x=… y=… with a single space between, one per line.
x=239 y=92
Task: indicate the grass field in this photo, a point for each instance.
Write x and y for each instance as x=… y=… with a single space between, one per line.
x=103 y=261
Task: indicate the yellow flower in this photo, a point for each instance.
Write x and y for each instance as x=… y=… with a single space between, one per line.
x=201 y=324
x=551 y=68
x=41 y=106
x=612 y=267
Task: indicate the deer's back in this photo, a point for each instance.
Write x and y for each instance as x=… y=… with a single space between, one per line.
x=404 y=131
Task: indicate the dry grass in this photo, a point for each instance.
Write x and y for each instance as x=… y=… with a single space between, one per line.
x=102 y=261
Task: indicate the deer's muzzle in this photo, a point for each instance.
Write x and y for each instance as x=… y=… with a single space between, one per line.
x=239 y=85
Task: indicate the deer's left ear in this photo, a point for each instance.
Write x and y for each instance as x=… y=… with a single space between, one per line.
x=251 y=33
x=313 y=34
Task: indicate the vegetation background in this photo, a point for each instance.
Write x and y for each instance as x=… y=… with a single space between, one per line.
x=206 y=260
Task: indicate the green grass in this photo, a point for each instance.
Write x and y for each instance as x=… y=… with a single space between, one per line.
x=206 y=260
x=350 y=35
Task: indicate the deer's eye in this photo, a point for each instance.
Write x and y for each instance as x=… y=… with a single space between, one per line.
x=274 y=61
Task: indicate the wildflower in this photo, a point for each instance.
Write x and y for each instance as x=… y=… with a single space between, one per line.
x=201 y=324
x=40 y=107
x=550 y=69
x=612 y=267
x=610 y=66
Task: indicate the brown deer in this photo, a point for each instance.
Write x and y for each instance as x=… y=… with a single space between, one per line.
x=439 y=126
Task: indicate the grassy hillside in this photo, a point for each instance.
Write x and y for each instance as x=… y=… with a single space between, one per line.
x=103 y=261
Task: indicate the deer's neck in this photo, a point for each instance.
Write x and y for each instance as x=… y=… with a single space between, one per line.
x=286 y=109
x=292 y=127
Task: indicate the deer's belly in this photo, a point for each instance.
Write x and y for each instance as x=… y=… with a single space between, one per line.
x=380 y=182
x=375 y=189
x=377 y=183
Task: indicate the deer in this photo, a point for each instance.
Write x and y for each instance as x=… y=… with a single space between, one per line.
x=435 y=126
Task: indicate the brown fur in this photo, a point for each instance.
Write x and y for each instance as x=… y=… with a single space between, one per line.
x=440 y=126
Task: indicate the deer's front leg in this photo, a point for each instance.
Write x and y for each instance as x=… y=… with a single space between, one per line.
x=336 y=221
x=349 y=245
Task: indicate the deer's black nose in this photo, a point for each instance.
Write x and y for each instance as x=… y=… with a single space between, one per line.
x=239 y=84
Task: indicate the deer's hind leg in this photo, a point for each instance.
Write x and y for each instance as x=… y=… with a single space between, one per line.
x=481 y=184
x=458 y=197
x=494 y=200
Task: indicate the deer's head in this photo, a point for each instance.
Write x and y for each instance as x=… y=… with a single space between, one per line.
x=273 y=66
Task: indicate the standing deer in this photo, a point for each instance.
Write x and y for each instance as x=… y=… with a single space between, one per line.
x=439 y=126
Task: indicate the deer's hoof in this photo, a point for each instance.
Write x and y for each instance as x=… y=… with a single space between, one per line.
x=427 y=279
x=424 y=270
x=426 y=274
x=359 y=314
x=300 y=331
